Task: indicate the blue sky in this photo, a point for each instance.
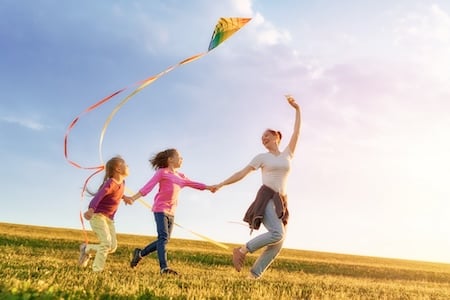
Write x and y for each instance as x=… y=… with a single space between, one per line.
x=370 y=174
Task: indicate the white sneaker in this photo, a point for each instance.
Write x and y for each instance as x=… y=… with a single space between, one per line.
x=84 y=256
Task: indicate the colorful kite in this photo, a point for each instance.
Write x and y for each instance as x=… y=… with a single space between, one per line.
x=224 y=29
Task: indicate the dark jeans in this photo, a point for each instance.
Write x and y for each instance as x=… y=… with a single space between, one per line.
x=164 y=226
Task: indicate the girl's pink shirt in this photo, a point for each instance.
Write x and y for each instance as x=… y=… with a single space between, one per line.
x=170 y=184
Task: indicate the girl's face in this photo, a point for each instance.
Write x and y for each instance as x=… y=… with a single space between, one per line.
x=122 y=168
x=176 y=160
x=269 y=139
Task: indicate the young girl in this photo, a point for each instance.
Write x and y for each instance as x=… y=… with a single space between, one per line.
x=270 y=205
x=166 y=163
x=100 y=214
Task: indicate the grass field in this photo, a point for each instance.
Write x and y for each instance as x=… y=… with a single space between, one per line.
x=41 y=263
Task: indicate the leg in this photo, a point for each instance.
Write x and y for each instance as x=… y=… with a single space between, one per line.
x=164 y=225
x=274 y=235
x=149 y=248
x=138 y=254
x=100 y=225
x=112 y=233
x=275 y=230
x=273 y=240
x=265 y=259
x=83 y=260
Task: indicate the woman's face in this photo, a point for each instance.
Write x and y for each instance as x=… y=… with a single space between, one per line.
x=269 y=139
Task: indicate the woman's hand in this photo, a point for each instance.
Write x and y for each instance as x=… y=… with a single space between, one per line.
x=292 y=102
x=296 y=131
x=212 y=188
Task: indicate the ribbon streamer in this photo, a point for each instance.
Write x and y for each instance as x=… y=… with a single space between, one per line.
x=224 y=29
x=203 y=237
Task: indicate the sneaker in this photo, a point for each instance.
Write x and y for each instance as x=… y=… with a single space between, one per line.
x=136 y=257
x=168 y=271
x=252 y=276
x=238 y=259
x=84 y=256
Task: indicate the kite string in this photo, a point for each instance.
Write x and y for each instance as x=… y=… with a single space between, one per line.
x=86 y=240
x=144 y=83
x=221 y=245
x=224 y=29
x=97 y=169
x=75 y=121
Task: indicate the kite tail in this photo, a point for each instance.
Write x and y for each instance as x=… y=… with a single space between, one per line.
x=86 y=240
x=225 y=28
x=203 y=237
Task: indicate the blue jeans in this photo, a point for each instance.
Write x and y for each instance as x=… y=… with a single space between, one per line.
x=272 y=240
x=164 y=226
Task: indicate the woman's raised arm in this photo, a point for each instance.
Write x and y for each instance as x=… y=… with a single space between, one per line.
x=296 y=131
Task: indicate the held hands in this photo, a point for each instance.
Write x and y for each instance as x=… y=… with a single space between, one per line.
x=128 y=200
x=212 y=188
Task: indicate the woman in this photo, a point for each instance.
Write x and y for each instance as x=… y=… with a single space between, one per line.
x=270 y=205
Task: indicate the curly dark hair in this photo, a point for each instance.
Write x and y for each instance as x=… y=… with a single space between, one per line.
x=160 y=159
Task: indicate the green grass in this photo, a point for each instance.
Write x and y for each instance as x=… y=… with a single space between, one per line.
x=41 y=263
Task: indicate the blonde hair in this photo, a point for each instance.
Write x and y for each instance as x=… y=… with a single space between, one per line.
x=110 y=170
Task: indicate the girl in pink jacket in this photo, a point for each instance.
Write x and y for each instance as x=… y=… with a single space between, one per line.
x=166 y=163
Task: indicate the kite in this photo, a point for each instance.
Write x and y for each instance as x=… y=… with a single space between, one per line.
x=224 y=29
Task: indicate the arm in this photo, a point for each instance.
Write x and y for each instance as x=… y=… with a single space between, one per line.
x=130 y=200
x=296 y=132
x=104 y=190
x=236 y=176
x=192 y=184
x=147 y=188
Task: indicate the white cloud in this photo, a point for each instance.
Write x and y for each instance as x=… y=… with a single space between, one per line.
x=441 y=23
x=267 y=34
x=243 y=6
x=24 y=122
x=425 y=37
x=432 y=24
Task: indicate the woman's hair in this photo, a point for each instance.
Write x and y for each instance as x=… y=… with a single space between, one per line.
x=275 y=132
x=110 y=169
x=160 y=160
